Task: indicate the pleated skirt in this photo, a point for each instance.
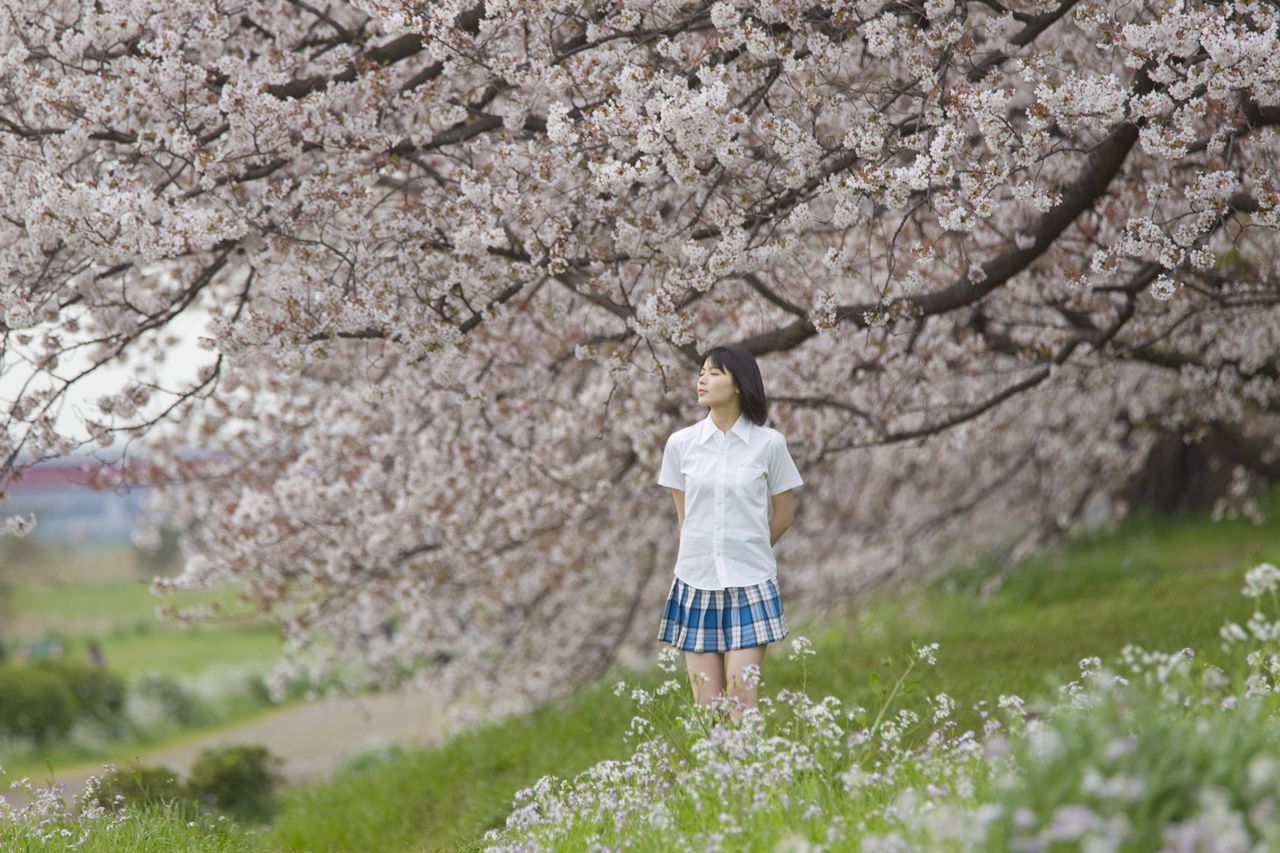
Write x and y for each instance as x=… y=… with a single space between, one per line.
x=716 y=620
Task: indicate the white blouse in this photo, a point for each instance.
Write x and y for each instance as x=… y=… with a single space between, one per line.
x=727 y=478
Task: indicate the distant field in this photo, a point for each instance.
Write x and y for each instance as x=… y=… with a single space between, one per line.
x=121 y=616
x=27 y=559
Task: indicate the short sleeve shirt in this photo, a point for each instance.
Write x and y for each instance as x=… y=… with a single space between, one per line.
x=727 y=478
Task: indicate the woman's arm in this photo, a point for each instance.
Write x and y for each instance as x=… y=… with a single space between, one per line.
x=678 y=496
x=783 y=505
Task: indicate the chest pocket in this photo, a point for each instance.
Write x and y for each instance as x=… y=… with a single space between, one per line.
x=751 y=479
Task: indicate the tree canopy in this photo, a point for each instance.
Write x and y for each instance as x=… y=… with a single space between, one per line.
x=462 y=260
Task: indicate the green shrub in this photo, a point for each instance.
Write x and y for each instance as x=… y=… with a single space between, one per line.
x=374 y=759
x=35 y=704
x=140 y=786
x=239 y=779
x=99 y=694
x=182 y=707
x=260 y=694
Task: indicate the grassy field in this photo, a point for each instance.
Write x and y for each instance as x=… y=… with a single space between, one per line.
x=1161 y=584
x=120 y=614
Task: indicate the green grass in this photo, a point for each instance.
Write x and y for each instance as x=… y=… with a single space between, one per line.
x=121 y=616
x=446 y=794
x=156 y=827
x=187 y=652
x=1162 y=584
x=87 y=605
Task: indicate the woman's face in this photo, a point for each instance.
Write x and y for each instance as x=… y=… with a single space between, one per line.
x=715 y=385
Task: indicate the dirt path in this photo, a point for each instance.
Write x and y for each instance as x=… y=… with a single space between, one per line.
x=313 y=738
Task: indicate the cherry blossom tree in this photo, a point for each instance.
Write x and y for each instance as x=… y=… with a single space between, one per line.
x=461 y=261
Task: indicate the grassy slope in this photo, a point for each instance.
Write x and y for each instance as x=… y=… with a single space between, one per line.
x=1160 y=584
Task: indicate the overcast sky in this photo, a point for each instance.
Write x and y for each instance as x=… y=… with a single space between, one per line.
x=178 y=371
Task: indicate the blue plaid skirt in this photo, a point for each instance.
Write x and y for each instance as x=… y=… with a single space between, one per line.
x=716 y=620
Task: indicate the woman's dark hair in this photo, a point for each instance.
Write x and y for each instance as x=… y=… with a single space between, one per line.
x=746 y=375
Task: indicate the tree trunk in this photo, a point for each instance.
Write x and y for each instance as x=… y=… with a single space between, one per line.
x=1181 y=476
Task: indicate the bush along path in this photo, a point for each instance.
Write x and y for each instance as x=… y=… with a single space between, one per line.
x=312 y=738
x=1167 y=750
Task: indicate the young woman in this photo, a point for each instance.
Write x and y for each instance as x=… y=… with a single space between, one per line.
x=726 y=472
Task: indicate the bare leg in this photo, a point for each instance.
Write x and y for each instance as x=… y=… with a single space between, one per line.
x=710 y=665
x=735 y=660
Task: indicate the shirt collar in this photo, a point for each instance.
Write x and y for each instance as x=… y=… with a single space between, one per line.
x=741 y=428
